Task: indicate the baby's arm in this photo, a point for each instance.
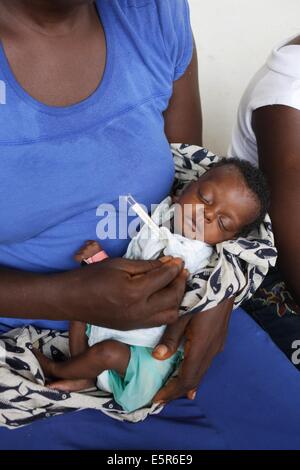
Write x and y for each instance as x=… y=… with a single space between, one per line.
x=91 y=252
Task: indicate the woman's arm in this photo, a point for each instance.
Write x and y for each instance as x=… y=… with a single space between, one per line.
x=117 y=293
x=277 y=131
x=183 y=118
x=205 y=335
x=206 y=331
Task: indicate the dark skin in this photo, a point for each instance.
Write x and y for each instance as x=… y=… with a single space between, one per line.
x=50 y=33
x=279 y=159
x=107 y=355
x=56 y=49
x=229 y=206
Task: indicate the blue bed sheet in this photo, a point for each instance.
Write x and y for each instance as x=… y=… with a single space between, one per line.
x=249 y=399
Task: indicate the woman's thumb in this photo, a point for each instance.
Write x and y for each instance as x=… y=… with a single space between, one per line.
x=171 y=339
x=137 y=267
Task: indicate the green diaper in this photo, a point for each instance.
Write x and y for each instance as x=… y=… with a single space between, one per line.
x=144 y=377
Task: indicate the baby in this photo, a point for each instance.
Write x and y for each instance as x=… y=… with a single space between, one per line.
x=235 y=199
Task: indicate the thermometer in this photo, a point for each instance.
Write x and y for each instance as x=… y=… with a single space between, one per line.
x=138 y=209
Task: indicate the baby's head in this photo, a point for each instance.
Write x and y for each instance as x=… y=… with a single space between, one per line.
x=235 y=197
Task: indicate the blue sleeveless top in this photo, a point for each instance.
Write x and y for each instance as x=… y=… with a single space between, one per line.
x=58 y=164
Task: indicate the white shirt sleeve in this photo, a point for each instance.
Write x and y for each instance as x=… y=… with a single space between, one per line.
x=277 y=83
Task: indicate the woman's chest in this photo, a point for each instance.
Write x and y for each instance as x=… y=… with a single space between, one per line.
x=52 y=183
x=56 y=75
x=57 y=69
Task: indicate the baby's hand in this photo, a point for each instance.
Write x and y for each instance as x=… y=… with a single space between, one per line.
x=89 y=249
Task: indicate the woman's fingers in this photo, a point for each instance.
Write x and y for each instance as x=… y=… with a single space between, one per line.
x=171 y=391
x=157 y=279
x=152 y=276
x=166 y=317
x=197 y=358
x=160 y=292
x=171 y=338
x=191 y=394
x=187 y=381
x=137 y=267
x=193 y=370
x=169 y=297
x=204 y=335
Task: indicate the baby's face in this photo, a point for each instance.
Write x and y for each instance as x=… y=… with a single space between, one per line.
x=228 y=205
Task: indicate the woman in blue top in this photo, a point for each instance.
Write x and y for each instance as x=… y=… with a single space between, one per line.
x=94 y=93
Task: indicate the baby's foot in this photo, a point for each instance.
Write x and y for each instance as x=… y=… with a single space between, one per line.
x=72 y=385
x=47 y=365
x=89 y=249
x=64 y=385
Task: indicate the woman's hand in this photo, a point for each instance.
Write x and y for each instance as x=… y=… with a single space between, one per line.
x=205 y=335
x=116 y=293
x=125 y=294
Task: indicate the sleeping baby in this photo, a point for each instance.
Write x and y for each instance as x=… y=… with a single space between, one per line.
x=234 y=199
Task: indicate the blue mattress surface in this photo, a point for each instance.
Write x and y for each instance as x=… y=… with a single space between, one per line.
x=249 y=399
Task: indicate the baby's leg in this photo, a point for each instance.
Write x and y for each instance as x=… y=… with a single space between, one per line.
x=107 y=355
x=90 y=252
x=78 y=340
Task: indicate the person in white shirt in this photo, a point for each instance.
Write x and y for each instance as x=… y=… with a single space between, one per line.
x=267 y=133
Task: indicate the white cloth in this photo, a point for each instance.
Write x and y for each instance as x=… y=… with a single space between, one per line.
x=103 y=382
x=147 y=245
x=276 y=83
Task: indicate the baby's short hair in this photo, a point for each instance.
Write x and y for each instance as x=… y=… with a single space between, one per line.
x=257 y=184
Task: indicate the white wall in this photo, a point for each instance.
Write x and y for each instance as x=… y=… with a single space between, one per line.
x=233 y=39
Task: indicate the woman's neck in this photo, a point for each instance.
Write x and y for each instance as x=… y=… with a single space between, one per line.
x=47 y=16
